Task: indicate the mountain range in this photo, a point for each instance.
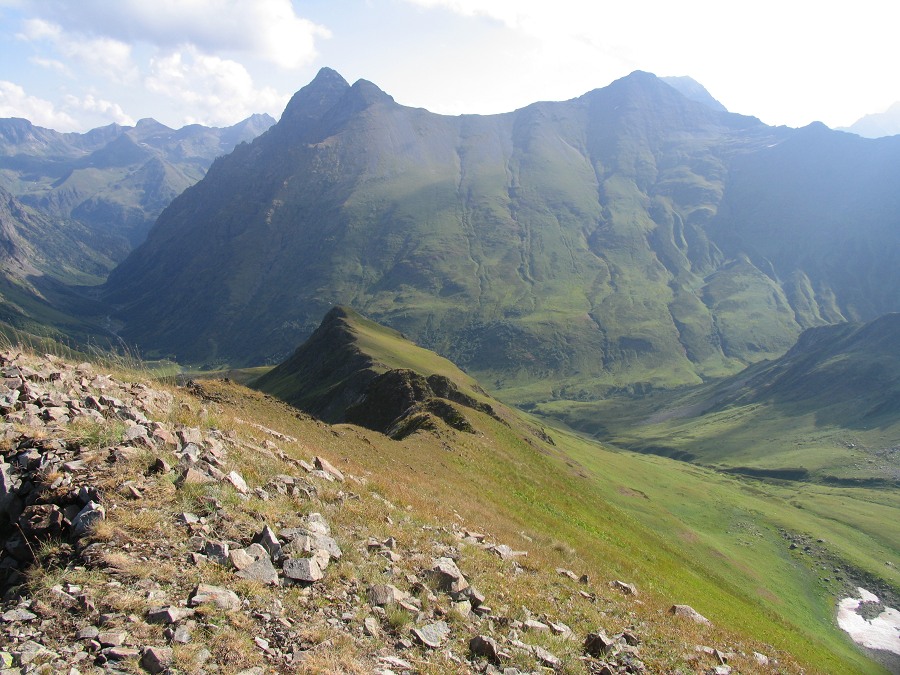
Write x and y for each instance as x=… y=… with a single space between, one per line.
x=631 y=237
x=109 y=185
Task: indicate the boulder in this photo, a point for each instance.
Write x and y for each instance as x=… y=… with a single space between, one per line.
x=222 y=598
x=302 y=569
x=92 y=513
x=447 y=576
x=688 y=612
x=323 y=464
x=260 y=570
x=382 y=595
x=627 y=589
x=598 y=644
x=156 y=659
x=485 y=647
x=432 y=635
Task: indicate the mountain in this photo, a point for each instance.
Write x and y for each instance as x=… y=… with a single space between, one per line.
x=828 y=411
x=690 y=88
x=630 y=238
x=876 y=125
x=110 y=183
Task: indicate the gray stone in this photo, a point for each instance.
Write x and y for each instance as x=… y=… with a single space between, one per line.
x=136 y=432
x=16 y=615
x=485 y=647
x=560 y=629
x=382 y=595
x=761 y=659
x=302 y=569
x=598 y=644
x=261 y=570
x=238 y=482
x=112 y=638
x=121 y=653
x=688 y=612
x=187 y=435
x=88 y=633
x=432 y=635
x=240 y=559
x=182 y=635
x=535 y=626
x=192 y=476
x=371 y=626
x=315 y=522
x=167 y=615
x=546 y=658
x=217 y=551
x=7 y=489
x=627 y=589
x=220 y=597
x=506 y=553
x=447 y=576
x=30 y=651
x=324 y=465
x=473 y=595
x=92 y=513
x=269 y=541
x=156 y=659
x=396 y=662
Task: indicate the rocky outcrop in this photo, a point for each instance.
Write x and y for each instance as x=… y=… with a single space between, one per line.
x=401 y=401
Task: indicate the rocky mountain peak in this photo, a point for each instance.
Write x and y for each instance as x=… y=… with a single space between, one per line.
x=315 y=99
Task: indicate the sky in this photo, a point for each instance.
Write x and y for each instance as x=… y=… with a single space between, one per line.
x=75 y=65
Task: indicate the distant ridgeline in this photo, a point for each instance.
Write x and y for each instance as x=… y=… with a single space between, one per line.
x=631 y=236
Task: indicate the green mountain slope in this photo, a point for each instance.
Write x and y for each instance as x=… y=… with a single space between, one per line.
x=562 y=250
x=720 y=540
x=828 y=410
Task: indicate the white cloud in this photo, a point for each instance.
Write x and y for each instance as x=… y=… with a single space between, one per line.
x=268 y=29
x=106 y=110
x=217 y=91
x=52 y=64
x=103 y=55
x=782 y=61
x=14 y=102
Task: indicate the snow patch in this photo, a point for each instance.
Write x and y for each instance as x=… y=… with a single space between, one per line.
x=882 y=632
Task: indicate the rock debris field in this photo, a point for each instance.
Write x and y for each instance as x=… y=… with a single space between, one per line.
x=134 y=540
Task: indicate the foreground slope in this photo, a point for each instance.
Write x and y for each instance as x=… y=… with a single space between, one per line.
x=630 y=237
x=719 y=535
x=828 y=410
x=133 y=495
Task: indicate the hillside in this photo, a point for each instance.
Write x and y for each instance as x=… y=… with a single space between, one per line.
x=628 y=238
x=828 y=410
x=210 y=526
